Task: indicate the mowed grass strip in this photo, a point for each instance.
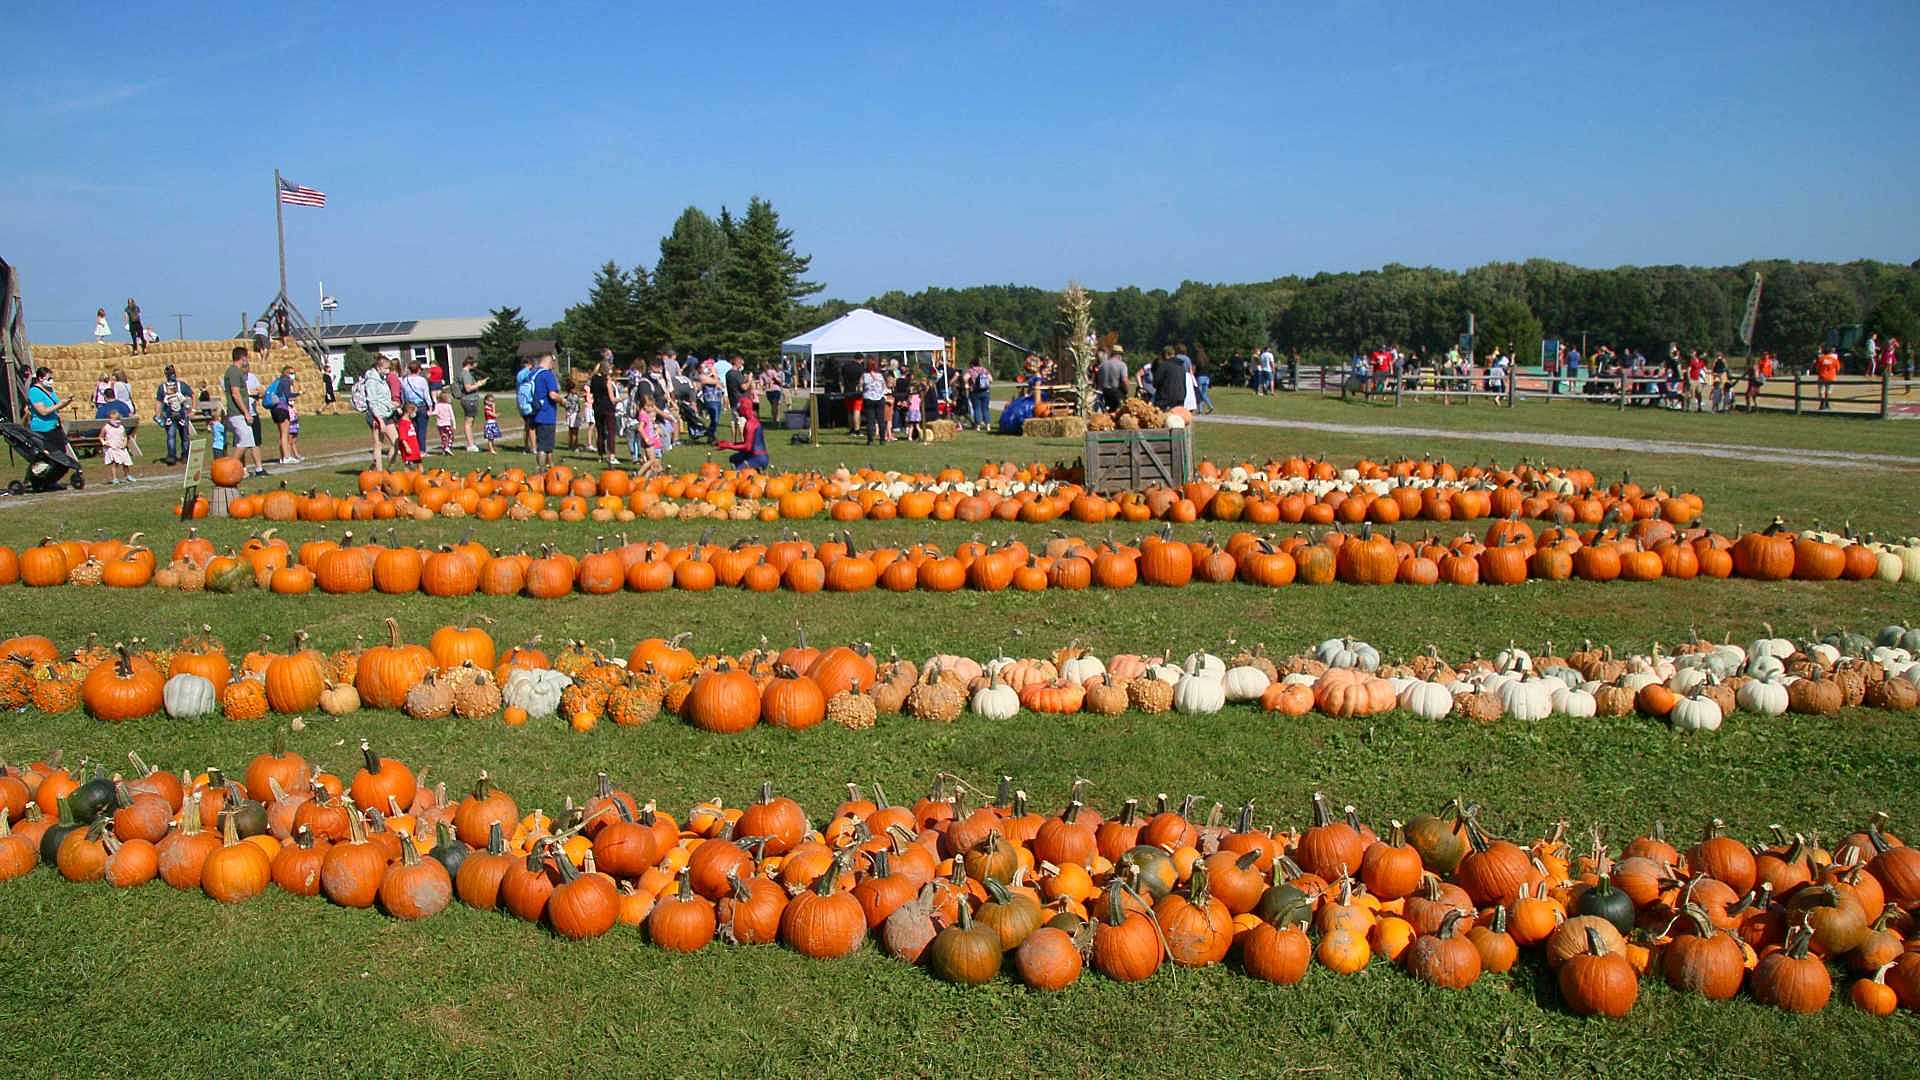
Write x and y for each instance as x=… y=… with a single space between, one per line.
x=304 y=987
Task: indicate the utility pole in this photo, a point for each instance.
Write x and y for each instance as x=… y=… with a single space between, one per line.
x=181 y=320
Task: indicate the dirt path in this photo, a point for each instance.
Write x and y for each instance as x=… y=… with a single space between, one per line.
x=1731 y=451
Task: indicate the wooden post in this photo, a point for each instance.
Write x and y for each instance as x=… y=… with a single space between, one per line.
x=1796 y=393
x=1621 y=378
x=1513 y=384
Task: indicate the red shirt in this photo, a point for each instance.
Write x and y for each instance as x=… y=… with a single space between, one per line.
x=1827 y=367
x=1696 y=369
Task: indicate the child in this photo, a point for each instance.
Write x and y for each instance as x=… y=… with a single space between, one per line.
x=576 y=415
x=647 y=432
x=634 y=408
x=293 y=430
x=443 y=419
x=490 y=416
x=113 y=450
x=408 y=437
x=914 y=405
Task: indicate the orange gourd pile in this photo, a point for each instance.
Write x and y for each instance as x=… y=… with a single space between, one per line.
x=971 y=891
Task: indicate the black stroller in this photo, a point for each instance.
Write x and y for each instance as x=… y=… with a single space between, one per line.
x=46 y=465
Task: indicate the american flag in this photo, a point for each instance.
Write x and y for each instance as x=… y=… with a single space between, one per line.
x=295 y=195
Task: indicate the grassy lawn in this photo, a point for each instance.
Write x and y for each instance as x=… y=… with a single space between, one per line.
x=299 y=986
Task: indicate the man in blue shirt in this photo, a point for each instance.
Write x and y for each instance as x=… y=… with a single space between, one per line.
x=546 y=401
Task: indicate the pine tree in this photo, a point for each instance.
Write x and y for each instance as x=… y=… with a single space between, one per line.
x=609 y=318
x=650 y=333
x=763 y=284
x=691 y=256
x=500 y=346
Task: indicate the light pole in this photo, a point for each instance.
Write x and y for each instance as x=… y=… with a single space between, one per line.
x=181 y=321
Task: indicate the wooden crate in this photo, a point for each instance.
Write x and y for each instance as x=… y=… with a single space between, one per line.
x=1132 y=460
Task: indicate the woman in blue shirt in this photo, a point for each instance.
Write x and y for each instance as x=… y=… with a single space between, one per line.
x=43 y=412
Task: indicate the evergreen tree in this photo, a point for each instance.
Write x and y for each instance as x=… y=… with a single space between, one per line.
x=763 y=284
x=691 y=256
x=500 y=346
x=609 y=318
x=649 y=313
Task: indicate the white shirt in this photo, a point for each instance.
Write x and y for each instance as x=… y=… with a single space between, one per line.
x=1266 y=361
x=253 y=385
x=1193 y=401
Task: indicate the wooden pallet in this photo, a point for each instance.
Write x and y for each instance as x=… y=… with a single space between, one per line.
x=1132 y=460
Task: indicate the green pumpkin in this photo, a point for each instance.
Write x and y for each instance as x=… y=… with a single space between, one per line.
x=1849 y=643
x=1433 y=836
x=233 y=579
x=449 y=852
x=91 y=799
x=1157 y=872
x=249 y=817
x=50 y=840
x=1609 y=903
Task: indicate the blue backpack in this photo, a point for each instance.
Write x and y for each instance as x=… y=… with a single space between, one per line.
x=523 y=394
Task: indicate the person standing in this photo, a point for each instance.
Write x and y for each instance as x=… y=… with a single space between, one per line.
x=523 y=400
x=113 y=451
x=547 y=400
x=373 y=394
x=469 y=384
x=1111 y=379
x=101 y=331
x=417 y=395
x=1169 y=381
x=102 y=395
x=605 y=426
x=261 y=334
x=135 y=327
x=237 y=407
x=1873 y=354
x=773 y=381
x=873 y=393
x=1826 y=368
x=173 y=402
x=979 y=383
x=255 y=388
x=277 y=399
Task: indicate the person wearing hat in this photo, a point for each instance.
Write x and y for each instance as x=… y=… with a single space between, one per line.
x=173 y=405
x=1111 y=378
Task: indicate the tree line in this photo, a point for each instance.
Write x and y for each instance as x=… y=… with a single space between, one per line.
x=720 y=285
x=738 y=286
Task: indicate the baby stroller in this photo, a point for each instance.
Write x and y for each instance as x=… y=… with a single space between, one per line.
x=45 y=465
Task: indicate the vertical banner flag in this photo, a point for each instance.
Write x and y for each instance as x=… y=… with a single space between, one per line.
x=1753 y=312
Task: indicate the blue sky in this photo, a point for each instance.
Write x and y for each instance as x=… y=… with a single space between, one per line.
x=488 y=153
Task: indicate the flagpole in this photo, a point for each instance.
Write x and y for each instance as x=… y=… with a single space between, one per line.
x=280 y=231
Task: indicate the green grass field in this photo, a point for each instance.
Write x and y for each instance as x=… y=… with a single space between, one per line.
x=155 y=981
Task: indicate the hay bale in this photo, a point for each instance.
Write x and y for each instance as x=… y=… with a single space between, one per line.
x=940 y=431
x=1055 y=427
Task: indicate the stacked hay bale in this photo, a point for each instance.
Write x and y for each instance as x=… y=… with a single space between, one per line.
x=200 y=363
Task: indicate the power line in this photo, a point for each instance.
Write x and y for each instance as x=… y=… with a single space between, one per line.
x=181 y=318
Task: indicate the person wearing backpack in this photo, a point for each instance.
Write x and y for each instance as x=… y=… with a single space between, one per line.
x=277 y=399
x=979 y=394
x=523 y=398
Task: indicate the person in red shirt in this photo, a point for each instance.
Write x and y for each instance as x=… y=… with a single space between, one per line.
x=1696 y=379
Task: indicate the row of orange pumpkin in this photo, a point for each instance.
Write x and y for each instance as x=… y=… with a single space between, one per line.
x=1260 y=496
x=1508 y=552
x=970 y=891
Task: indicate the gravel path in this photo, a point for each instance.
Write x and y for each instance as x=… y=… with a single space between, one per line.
x=1733 y=451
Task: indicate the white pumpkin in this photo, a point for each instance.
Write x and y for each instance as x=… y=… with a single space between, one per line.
x=1888 y=566
x=1772 y=646
x=188 y=697
x=995 y=701
x=1765 y=665
x=1696 y=713
x=1687 y=680
x=1566 y=675
x=1636 y=680
x=1245 y=683
x=1573 y=702
x=1725 y=661
x=1204 y=663
x=536 y=690
x=1082 y=669
x=1528 y=698
x=1762 y=697
x=1166 y=673
x=1347 y=653
x=994 y=665
x=1299 y=678
x=1823 y=654
x=1199 y=694
x=1427 y=700
x=1513 y=660
x=1889 y=657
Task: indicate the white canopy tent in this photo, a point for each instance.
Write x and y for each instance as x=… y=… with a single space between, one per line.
x=860 y=332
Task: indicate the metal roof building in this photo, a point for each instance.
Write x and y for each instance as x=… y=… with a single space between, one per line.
x=445 y=341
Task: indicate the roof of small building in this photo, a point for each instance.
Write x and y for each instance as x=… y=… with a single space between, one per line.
x=466 y=328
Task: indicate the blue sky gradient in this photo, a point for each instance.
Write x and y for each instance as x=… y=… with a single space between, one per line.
x=488 y=153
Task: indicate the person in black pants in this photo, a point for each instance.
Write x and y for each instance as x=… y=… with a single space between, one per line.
x=600 y=389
